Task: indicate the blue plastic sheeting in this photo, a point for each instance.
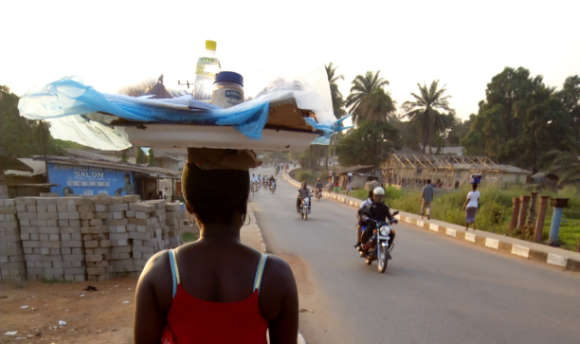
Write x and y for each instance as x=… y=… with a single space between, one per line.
x=328 y=130
x=75 y=112
x=67 y=97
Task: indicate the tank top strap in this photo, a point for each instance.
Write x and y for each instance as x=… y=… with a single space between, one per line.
x=260 y=272
x=174 y=272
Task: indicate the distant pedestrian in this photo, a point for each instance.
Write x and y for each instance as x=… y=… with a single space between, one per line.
x=426 y=199
x=471 y=205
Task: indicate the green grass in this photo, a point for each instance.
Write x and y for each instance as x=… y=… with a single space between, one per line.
x=495 y=210
x=190 y=236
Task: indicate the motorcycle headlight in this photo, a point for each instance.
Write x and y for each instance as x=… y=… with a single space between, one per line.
x=385 y=230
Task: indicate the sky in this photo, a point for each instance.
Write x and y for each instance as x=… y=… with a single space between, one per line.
x=113 y=44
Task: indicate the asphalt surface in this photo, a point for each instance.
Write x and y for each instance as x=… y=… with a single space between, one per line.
x=435 y=290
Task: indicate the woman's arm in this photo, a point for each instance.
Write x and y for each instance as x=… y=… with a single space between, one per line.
x=281 y=289
x=150 y=313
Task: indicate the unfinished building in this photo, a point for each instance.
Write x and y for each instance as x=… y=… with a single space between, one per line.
x=448 y=171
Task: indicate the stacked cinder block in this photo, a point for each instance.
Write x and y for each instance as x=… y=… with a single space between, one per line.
x=141 y=233
x=117 y=223
x=174 y=221
x=11 y=255
x=96 y=239
x=41 y=242
x=80 y=238
x=156 y=223
x=70 y=213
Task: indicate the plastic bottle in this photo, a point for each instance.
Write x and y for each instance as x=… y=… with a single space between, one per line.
x=207 y=67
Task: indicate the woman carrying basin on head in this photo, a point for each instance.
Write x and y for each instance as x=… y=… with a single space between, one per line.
x=216 y=290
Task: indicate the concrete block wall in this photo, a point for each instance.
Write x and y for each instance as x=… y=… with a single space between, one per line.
x=11 y=254
x=83 y=238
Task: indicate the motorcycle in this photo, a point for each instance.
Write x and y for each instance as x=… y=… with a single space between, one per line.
x=378 y=246
x=273 y=187
x=318 y=194
x=255 y=186
x=305 y=208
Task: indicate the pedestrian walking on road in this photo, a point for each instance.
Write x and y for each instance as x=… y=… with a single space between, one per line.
x=216 y=290
x=470 y=206
x=426 y=199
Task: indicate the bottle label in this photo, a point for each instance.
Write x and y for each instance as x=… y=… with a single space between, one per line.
x=226 y=97
x=234 y=95
x=205 y=63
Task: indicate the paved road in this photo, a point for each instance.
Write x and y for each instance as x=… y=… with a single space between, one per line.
x=434 y=291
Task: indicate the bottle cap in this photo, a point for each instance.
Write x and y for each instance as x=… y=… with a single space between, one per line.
x=210 y=45
x=229 y=77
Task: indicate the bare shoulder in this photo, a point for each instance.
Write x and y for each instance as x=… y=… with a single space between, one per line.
x=278 y=288
x=156 y=266
x=278 y=268
x=156 y=277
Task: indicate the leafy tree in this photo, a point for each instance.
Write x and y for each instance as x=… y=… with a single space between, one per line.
x=20 y=136
x=458 y=131
x=426 y=108
x=368 y=100
x=520 y=120
x=124 y=157
x=151 y=158
x=141 y=158
x=569 y=97
x=312 y=157
x=369 y=144
x=337 y=99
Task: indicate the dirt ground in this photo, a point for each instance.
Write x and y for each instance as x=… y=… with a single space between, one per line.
x=34 y=309
x=104 y=316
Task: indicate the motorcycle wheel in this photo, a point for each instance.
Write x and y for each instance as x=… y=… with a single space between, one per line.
x=305 y=214
x=382 y=260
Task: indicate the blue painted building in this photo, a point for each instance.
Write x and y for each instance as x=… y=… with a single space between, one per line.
x=89 y=180
x=71 y=176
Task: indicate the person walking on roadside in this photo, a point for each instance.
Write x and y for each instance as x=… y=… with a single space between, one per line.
x=426 y=199
x=216 y=290
x=470 y=206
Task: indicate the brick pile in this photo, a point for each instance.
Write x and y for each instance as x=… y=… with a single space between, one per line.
x=11 y=254
x=175 y=223
x=40 y=236
x=117 y=224
x=71 y=214
x=141 y=233
x=84 y=238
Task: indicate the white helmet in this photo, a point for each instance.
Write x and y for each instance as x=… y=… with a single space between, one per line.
x=379 y=191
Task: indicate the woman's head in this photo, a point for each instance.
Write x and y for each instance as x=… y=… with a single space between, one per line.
x=215 y=196
x=216 y=184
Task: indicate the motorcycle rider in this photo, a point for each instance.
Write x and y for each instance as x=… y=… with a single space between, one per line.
x=303 y=192
x=376 y=210
x=361 y=225
x=318 y=185
x=272 y=181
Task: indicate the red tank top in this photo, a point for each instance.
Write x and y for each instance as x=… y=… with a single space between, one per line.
x=192 y=320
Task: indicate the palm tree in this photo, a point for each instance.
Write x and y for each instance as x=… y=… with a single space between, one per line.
x=337 y=99
x=425 y=108
x=367 y=99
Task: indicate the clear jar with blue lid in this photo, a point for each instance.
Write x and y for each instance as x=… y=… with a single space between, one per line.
x=228 y=89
